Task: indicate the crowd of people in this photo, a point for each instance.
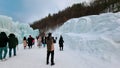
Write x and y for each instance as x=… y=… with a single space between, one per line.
x=10 y=43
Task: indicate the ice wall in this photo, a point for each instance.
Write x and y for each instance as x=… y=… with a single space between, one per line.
x=107 y=25
x=96 y=35
x=19 y=29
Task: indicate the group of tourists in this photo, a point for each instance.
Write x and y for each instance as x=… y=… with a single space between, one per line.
x=10 y=42
x=41 y=41
x=28 y=42
x=7 y=42
x=45 y=40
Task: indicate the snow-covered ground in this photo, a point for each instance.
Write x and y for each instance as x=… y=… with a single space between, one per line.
x=36 y=58
x=90 y=42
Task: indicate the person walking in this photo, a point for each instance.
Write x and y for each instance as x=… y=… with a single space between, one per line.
x=44 y=41
x=24 y=42
x=50 y=49
x=39 y=41
x=12 y=43
x=3 y=45
x=30 y=41
x=61 y=41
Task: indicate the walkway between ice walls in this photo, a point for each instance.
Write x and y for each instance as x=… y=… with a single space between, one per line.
x=19 y=29
x=97 y=35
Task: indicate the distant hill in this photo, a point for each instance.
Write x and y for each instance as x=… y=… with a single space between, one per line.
x=75 y=11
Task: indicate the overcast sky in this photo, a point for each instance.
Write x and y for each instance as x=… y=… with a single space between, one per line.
x=28 y=11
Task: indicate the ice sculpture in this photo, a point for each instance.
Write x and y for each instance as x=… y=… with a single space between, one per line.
x=20 y=29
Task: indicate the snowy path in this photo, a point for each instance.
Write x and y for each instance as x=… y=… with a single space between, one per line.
x=36 y=58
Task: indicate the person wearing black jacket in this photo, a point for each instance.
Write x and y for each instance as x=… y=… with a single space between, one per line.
x=12 y=43
x=3 y=45
x=30 y=41
x=61 y=41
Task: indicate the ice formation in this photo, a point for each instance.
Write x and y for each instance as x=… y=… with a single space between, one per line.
x=19 y=29
x=97 y=35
